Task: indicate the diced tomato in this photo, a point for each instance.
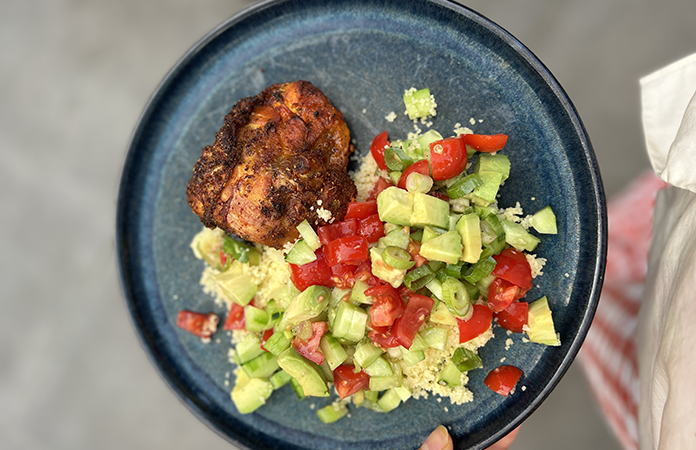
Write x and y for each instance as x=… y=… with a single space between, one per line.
x=347 y=250
x=486 y=142
x=266 y=336
x=380 y=185
x=316 y=272
x=383 y=337
x=387 y=305
x=514 y=317
x=200 y=324
x=417 y=309
x=421 y=167
x=502 y=379
x=502 y=293
x=414 y=250
x=371 y=228
x=513 y=266
x=361 y=210
x=345 y=228
x=477 y=324
x=364 y=273
x=379 y=143
x=343 y=275
x=235 y=318
x=448 y=158
x=348 y=382
x=310 y=348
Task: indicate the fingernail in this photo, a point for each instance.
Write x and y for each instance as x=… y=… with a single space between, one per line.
x=437 y=439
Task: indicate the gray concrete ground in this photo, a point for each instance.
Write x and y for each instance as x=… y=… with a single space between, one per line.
x=74 y=77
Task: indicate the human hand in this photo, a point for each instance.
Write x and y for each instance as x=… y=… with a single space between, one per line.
x=441 y=440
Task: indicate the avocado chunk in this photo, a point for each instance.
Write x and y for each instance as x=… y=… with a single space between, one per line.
x=447 y=248
x=304 y=372
x=493 y=163
x=441 y=314
x=544 y=221
x=385 y=272
x=395 y=206
x=398 y=237
x=250 y=393
x=310 y=303
x=540 y=327
x=470 y=230
x=518 y=237
x=429 y=210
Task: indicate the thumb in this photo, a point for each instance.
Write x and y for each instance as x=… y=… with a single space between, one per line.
x=438 y=440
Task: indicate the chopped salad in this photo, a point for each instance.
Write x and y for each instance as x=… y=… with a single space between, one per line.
x=396 y=299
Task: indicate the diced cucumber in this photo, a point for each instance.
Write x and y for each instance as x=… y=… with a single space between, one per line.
x=366 y=353
x=412 y=357
x=518 y=237
x=280 y=379
x=389 y=400
x=395 y=176
x=357 y=294
x=544 y=221
x=297 y=388
x=333 y=412
x=427 y=138
x=435 y=337
x=251 y=395
x=255 y=319
x=263 y=366
x=540 y=326
x=450 y=375
x=300 y=253
x=350 y=322
x=419 y=103
x=333 y=351
x=489 y=189
x=277 y=343
x=379 y=368
x=446 y=248
x=309 y=235
x=309 y=304
x=383 y=383
x=248 y=348
x=403 y=392
x=395 y=205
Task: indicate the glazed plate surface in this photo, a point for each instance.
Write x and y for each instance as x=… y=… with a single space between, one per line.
x=362 y=55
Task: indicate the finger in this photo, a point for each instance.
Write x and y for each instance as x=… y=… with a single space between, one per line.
x=439 y=439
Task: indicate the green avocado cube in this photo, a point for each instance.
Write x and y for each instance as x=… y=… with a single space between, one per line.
x=429 y=211
x=395 y=206
x=470 y=230
x=540 y=327
x=446 y=248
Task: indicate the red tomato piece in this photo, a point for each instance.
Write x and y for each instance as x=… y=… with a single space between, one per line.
x=414 y=250
x=417 y=309
x=343 y=275
x=514 y=317
x=486 y=142
x=421 y=167
x=316 y=272
x=440 y=195
x=379 y=143
x=502 y=379
x=347 y=250
x=477 y=324
x=380 y=185
x=235 y=318
x=266 y=336
x=513 y=266
x=310 y=348
x=348 y=382
x=371 y=228
x=345 y=228
x=361 y=210
x=448 y=158
x=387 y=306
x=502 y=293
x=383 y=337
x=200 y=324
x=364 y=273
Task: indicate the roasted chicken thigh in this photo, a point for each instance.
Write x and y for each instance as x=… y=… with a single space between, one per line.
x=279 y=158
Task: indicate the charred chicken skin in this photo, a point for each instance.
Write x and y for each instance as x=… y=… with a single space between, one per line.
x=279 y=158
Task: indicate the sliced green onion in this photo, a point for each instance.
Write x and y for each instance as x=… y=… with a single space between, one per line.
x=480 y=270
x=464 y=186
x=466 y=359
x=396 y=159
x=456 y=297
x=417 y=182
x=419 y=277
x=455 y=270
x=397 y=258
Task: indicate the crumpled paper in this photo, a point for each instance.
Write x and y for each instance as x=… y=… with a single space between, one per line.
x=667 y=320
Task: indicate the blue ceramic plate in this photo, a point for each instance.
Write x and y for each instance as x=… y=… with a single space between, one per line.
x=363 y=55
